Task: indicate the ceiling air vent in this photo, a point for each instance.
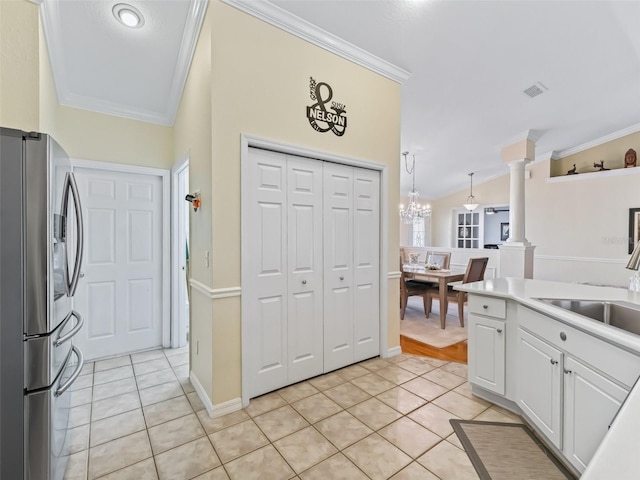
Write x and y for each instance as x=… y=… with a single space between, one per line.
x=536 y=89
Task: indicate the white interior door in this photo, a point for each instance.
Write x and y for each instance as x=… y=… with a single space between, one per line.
x=338 y=266
x=183 y=247
x=366 y=251
x=121 y=294
x=264 y=228
x=304 y=238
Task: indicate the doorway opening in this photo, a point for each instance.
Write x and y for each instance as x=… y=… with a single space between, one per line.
x=180 y=254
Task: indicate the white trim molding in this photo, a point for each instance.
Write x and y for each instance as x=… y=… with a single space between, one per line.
x=581 y=259
x=598 y=141
x=305 y=30
x=215 y=293
x=394 y=275
x=225 y=408
x=392 y=352
x=204 y=398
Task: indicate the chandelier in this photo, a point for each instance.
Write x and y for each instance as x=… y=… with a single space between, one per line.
x=414 y=211
x=471 y=200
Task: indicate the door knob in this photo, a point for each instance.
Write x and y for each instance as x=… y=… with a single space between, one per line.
x=554 y=362
x=341 y=278
x=81 y=275
x=499 y=330
x=304 y=282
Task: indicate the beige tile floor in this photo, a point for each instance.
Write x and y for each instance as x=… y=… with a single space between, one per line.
x=138 y=417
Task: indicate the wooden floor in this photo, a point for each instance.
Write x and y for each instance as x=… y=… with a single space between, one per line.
x=454 y=353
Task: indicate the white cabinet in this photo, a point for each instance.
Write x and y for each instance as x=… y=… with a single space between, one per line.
x=591 y=401
x=539 y=384
x=566 y=385
x=310 y=268
x=486 y=344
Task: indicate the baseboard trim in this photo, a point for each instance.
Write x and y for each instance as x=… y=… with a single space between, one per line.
x=204 y=398
x=215 y=293
x=227 y=407
x=392 y=352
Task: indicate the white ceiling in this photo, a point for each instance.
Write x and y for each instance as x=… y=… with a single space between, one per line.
x=469 y=62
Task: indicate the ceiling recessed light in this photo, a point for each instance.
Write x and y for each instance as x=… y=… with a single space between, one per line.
x=128 y=15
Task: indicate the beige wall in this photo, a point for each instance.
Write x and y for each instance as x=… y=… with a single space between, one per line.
x=488 y=193
x=261 y=87
x=578 y=224
x=192 y=138
x=19 y=65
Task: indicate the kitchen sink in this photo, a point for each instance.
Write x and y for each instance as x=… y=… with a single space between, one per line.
x=622 y=315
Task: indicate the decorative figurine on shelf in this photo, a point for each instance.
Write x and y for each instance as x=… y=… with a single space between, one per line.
x=600 y=166
x=630 y=158
x=573 y=171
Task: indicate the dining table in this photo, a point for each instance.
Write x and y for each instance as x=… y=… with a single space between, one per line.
x=442 y=277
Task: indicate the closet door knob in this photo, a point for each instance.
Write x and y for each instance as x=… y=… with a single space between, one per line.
x=304 y=282
x=341 y=278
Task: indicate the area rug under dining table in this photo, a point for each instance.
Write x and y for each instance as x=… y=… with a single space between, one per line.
x=427 y=330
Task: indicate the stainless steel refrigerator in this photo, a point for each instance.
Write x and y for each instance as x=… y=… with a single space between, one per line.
x=41 y=246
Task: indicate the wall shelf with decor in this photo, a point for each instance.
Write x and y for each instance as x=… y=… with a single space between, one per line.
x=593 y=175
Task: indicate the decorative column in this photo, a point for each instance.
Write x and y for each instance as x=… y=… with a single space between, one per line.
x=516 y=254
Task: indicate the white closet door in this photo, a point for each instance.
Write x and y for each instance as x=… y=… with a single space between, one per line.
x=366 y=251
x=305 y=319
x=338 y=266
x=264 y=225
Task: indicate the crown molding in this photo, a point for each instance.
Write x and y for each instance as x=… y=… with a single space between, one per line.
x=598 y=141
x=294 y=25
x=51 y=24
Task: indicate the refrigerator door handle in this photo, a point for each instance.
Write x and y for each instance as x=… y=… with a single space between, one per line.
x=70 y=185
x=63 y=388
x=79 y=323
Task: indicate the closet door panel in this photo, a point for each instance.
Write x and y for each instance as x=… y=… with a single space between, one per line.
x=305 y=289
x=366 y=250
x=265 y=227
x=338 y=266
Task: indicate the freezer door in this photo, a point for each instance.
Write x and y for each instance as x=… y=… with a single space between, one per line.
x=47 y=421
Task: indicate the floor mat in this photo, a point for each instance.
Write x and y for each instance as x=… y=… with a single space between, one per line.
x=507 y=451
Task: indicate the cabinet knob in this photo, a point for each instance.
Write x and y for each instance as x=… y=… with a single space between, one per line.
x=304 y=282
x=554 y=362
x=567 y=371
x=341 y=278
x=499 y=330
x=563 y=336
x=485 y=306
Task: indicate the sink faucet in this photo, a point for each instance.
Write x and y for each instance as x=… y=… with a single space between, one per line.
x=634 y=264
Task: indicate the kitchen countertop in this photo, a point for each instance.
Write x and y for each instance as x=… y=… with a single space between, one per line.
x=526 y=291
x=617 y=456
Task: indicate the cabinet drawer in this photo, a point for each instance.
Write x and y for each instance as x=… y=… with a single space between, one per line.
x=489 y=306
x=613 y=361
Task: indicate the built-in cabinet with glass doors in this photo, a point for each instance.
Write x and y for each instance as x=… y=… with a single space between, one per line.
x=468 y=230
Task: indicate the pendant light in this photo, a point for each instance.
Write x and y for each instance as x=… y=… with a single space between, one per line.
x=414 y=211
x=471 y=200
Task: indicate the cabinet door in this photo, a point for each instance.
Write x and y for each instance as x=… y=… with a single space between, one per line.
x=540 y=385
x=590 y=403
x=305 y=290
x=265 y=276
x=487 y=353
x=366 y=252
x=338 y=266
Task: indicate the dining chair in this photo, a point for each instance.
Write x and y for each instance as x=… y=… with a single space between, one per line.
x=442 y=259
x=474 y=273
x=411 y=288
